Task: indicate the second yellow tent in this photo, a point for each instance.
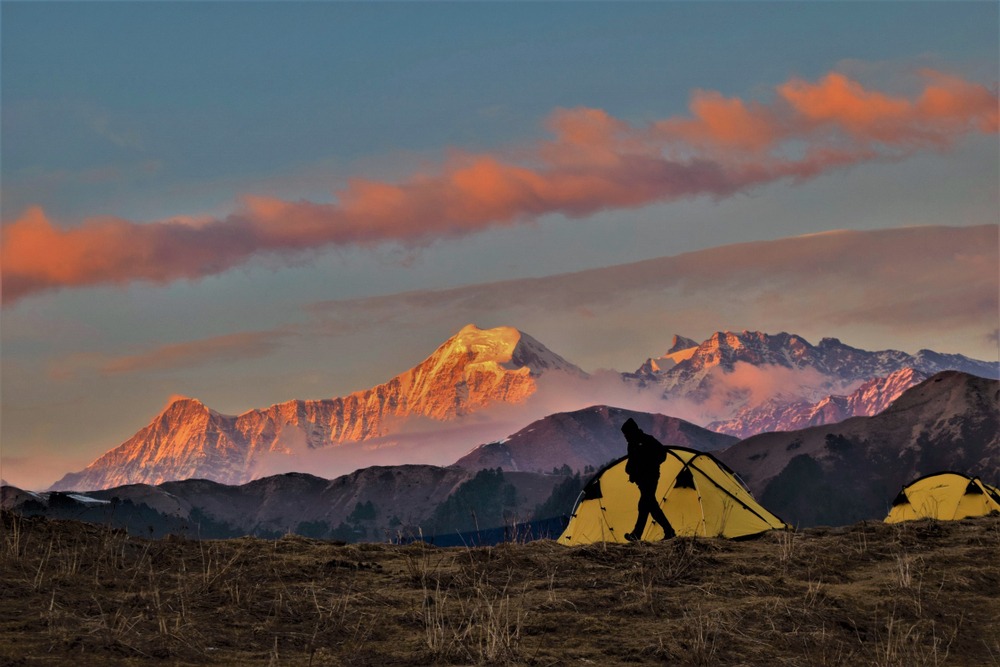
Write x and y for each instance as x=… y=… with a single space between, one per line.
x=946 y=496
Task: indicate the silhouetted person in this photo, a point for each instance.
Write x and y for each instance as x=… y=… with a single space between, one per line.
x=645 y=454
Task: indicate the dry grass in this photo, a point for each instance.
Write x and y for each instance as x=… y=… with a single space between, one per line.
x=914 y=594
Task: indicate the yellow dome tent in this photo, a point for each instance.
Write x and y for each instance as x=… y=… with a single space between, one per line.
x=699 y=495
x=947 y=496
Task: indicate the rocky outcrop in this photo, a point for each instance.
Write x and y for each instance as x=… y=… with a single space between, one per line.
x=869 y=399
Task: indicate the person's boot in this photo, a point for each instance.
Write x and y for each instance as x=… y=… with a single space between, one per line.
x=668 y=530
x=632 y=537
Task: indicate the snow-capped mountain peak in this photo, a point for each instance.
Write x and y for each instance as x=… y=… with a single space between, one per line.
x=681 y=344
x=472 y=370
x=871 y=398
x=183 y=407
x=755 y=371
x=681 y=349
x=506 y=347
x=724 y=349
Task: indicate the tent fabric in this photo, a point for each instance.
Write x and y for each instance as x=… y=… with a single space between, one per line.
x=699 y=495
x=947 y=496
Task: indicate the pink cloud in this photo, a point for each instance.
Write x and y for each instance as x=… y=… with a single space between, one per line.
x=171 y=356
x=230 y=347
x=594 y=162
x=904 y=288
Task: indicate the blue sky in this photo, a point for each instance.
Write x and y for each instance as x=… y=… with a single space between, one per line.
x=194 y=102
x=150 y=111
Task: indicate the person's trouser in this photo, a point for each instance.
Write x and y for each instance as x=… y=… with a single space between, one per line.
x=650 y=506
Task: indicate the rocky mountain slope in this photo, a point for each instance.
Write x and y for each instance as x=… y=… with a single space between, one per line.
x=588 y=437
x=681 y=348
x=869 y=399
x=841 y=473
x=730 y=375
x=701 y=370
x=472 y=370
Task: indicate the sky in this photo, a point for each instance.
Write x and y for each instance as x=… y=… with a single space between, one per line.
x=252 y=202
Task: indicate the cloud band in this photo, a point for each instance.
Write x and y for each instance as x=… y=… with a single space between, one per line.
x=594 y=162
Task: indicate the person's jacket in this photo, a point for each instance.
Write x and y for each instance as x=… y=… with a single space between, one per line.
x=645 y=454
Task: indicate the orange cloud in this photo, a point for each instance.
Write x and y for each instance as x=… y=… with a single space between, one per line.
x=36 y=255
x=957 y=103
x=594 y=162
x=726 y=122
x=838 y=100
x=947 y=108
x=587 y=136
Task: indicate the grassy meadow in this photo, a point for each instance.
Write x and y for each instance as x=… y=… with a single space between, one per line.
x=920 y=593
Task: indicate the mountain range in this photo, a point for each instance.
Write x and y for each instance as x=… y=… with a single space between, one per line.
x=741 y=383
x=469 y=372
x=701 y=372
x=830 y=474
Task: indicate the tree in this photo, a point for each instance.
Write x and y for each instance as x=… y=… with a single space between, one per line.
x=366 y=512
x=316 y=529
x=562 y=499
x=485 y=501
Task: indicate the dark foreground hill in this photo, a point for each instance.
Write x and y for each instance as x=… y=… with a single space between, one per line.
x=375 y=503
x=920 y=593
x=588 y=437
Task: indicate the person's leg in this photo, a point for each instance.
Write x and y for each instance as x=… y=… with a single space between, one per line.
x=640 y=522
x=644 y=509
x=660 y=518
x=652 y=507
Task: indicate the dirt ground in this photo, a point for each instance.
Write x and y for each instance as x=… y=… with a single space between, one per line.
x=921 y=593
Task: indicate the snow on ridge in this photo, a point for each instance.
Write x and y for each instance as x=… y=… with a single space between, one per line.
x=87 y=500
